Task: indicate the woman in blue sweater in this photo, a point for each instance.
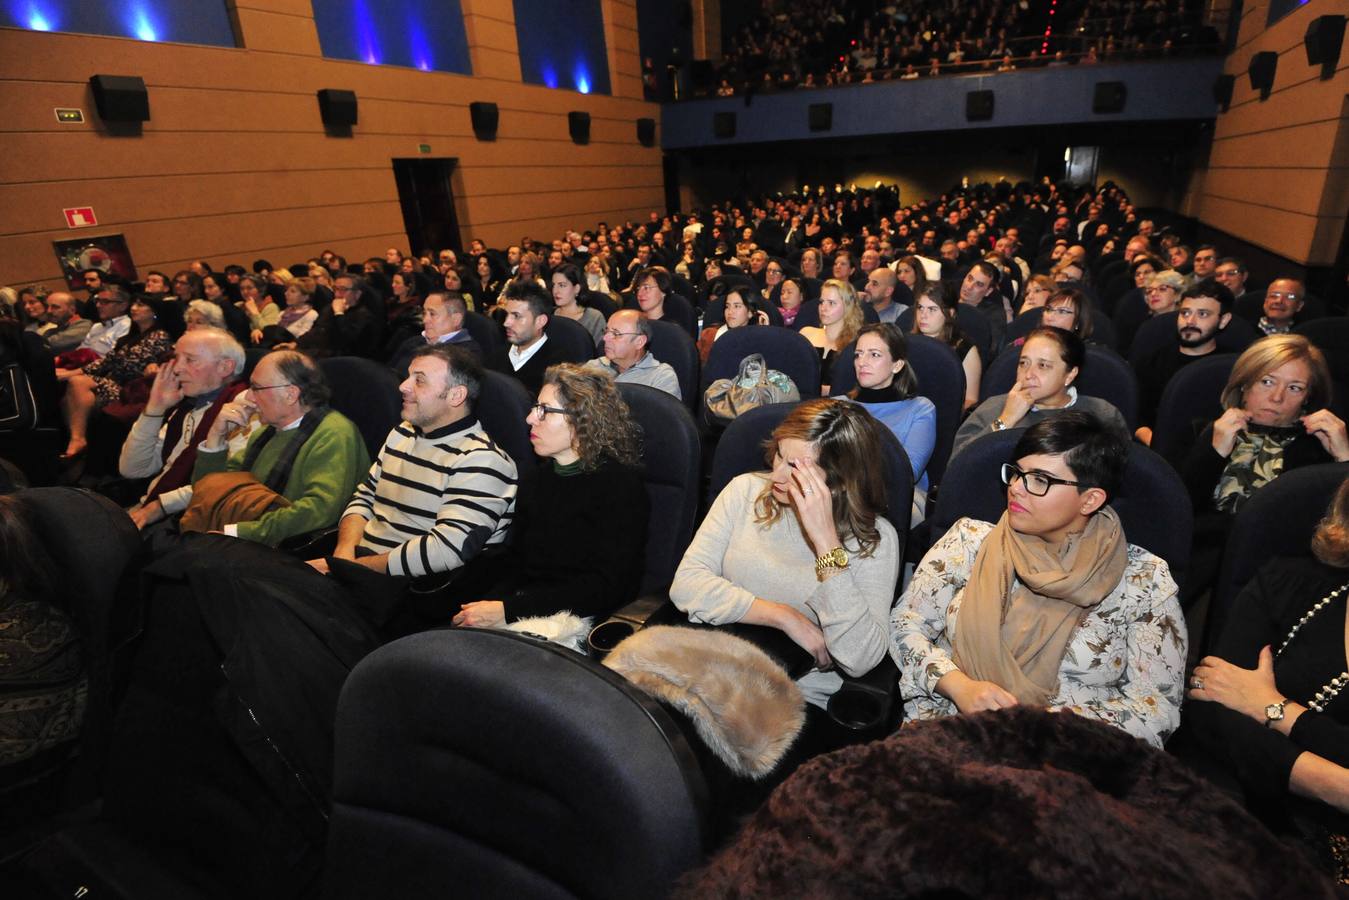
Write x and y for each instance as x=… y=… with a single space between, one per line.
x=888 y=388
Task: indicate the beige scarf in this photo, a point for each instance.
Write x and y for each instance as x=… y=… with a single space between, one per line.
x=1016 y=637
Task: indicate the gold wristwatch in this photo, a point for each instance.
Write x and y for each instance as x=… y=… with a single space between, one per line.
x=834 y=559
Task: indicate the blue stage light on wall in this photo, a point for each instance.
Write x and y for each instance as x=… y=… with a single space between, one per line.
x=582 y=79
x=549 y=77
x=38 y=19
x=421 y=47
x=366 y=36
x=141 y=25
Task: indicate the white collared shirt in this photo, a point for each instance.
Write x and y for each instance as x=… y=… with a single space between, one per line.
x=519 y=357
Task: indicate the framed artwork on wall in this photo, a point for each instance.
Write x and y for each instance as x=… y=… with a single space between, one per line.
x=108 y=253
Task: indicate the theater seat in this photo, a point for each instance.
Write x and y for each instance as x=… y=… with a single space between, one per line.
x=1191 y=401
x=576 y=344
x=479 y=763
x=501 y=407
x=670 y=456
x=1160 y=332
x=1331 y=335
x=1152 y=502
x=671 y=344
x=1278 y=520
x=366 y=393
x=484 y=331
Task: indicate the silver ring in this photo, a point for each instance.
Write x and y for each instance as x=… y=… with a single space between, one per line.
x=809 y=490
x=1197 y=683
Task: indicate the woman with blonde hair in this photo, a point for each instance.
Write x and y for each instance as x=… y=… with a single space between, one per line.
x=581 y=520
x=804 y=547
x=840 y=320
x=1271 y=696
x=1038 y=289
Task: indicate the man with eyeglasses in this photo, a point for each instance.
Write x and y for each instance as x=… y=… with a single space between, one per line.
x=1205 y=310
x=113 y=322
x=1284 y=299
x=626 y=357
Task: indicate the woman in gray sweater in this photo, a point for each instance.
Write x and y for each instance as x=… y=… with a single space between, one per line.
x=1051 y=359
x=804 y=547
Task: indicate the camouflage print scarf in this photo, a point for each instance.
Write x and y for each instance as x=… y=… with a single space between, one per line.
x=1256 y=460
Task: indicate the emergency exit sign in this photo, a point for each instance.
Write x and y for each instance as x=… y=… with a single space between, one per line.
x=80 y=217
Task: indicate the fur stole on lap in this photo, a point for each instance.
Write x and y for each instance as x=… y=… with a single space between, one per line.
x=745 y=708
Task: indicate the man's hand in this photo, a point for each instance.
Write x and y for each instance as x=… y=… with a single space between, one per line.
x=319 y=565
x=481 y=614
x=165 y=392
x=148 y=514
x=235 y=414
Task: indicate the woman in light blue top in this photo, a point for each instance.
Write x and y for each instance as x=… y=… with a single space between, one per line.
x=887 y=387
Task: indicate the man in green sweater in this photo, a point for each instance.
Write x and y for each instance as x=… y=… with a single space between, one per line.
x=289 y=396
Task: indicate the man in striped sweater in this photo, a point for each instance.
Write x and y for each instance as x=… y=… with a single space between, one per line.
x=441 y=489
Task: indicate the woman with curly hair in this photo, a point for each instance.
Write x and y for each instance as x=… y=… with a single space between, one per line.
x=580 y=521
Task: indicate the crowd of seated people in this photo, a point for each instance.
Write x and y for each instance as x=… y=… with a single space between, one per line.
x=235 y=433
x=821 y=43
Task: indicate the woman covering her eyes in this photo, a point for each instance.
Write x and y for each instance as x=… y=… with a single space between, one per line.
x=1051 y=606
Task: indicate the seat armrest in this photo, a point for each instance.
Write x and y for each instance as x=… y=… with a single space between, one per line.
x=311 y=544
x=866 y=703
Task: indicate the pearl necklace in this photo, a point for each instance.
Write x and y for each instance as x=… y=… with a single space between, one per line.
x=1331 y=688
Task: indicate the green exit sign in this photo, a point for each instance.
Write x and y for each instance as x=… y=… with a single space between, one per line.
x=423 y=148
x=70 y=116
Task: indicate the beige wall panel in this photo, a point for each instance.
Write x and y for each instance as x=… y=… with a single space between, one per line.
x=500 y=10
x=1288 y=234
x=1296 y=146
x=492 y=63
x=479 y=181
x=484 y=32
x=1291 y=190
x=554 y=204
x=302 y=8
x=276 y=31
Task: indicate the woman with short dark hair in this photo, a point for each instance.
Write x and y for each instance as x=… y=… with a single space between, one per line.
x=1050 y=606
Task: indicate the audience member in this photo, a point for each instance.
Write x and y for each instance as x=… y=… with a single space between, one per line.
x=1050 y=606
x=442 y=323
x=739 y=310
x=528 y=353
x=1205 y=310
x=626 y=357
x=936 y=315
x=840 y=320
x=1284 y=299
x=70 y=327
x=567 y=289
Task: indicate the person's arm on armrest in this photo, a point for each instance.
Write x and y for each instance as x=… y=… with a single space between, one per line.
x=1320 y=779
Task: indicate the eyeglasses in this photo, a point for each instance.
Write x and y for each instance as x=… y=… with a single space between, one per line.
x=1037 y=483
x=540 y=410
x=609 y=332
x=1061 y=310
x=266 y=387
x=1280 y=295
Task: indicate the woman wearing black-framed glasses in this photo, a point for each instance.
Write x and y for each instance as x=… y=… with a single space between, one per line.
x=1051 y=606
x=580 y=521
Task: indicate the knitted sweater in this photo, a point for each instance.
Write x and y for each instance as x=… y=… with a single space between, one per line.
x=733 y=560
x=326 y=471
x=434 y=499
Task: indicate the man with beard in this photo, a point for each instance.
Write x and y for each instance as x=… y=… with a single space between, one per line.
x=1205 y=309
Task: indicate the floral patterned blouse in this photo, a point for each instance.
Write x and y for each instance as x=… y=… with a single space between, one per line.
x=1125 y=664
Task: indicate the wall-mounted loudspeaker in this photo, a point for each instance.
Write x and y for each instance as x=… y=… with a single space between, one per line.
x=120 y=98
x=979 y=106
x=723 y=124
x=646 y=132
x=1222 y=90
x=1263 y=67
x=484 y=116
x=337 y=108
x=578 y=123
x=821 y=116
x=1325 y=37
x=1109 y=97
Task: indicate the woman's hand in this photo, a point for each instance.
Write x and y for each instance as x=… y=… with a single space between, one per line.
x=481 y=614
x=1247 y=691
x=972 y=696
x=255 y=335
x=805 y=634
x=1226 y=428
x=814 y=505
x=1015 y=407
x=1329 y=429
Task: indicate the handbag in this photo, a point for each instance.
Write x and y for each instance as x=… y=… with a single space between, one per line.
x=18 y=406
x=753 y=386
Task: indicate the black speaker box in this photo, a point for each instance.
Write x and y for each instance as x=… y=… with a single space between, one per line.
x=646 y=132
x=1109 y=97
x=120 y=98
x=1222 y=90
x=337 y=108
x=979 y=106
x=1324 y=40
x=484 y=116
x=723 y=124
x=578 y=123
x=1263 y=67
x=821 y=116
